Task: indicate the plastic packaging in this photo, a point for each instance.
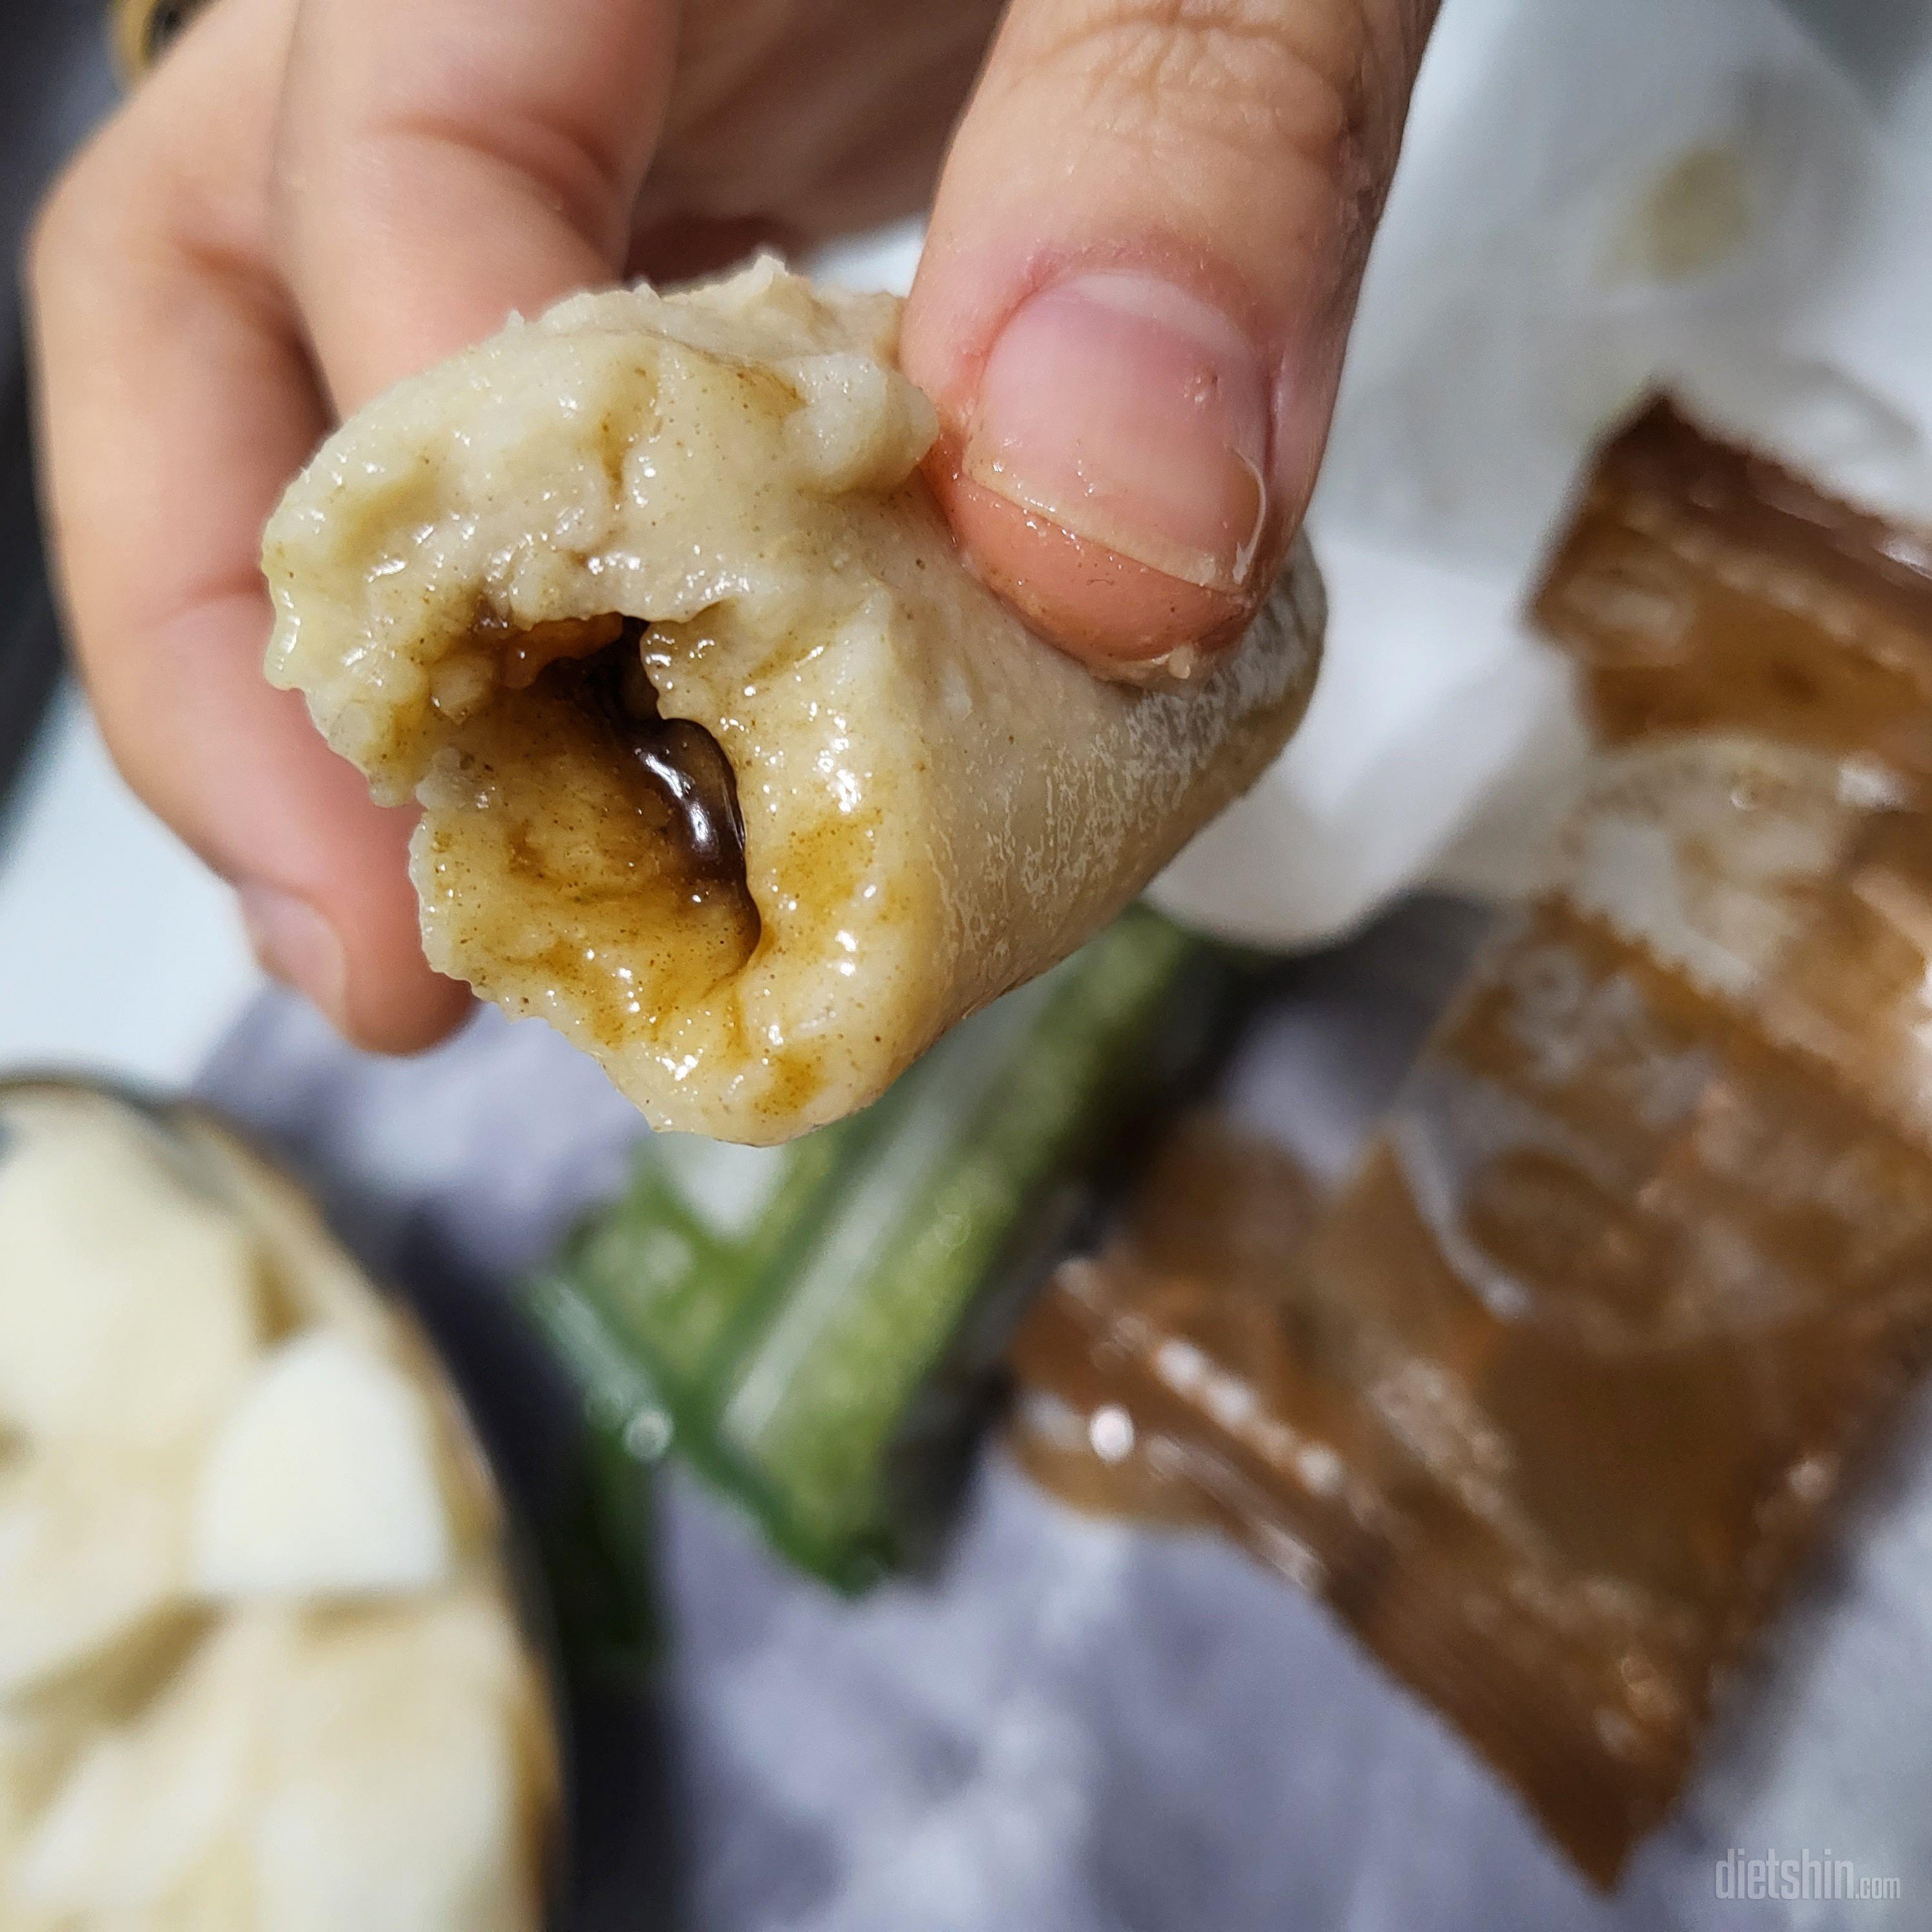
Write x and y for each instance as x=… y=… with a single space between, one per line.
x=813 y=1325
x=1560 y=1389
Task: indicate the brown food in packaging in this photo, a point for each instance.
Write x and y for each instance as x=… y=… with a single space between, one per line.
x=1551 y=1401
x=1705 y=588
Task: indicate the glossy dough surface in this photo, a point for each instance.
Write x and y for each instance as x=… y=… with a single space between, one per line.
x=935 y=806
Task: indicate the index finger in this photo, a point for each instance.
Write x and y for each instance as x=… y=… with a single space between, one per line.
x=440 y=164
x=174 y=401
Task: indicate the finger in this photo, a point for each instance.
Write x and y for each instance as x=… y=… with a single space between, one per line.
x=1143 y=260
x=174 y=402
x=441 y=163
x=832 y=118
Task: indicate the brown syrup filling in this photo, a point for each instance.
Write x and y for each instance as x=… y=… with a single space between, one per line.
x=679 y=763
x=602 y=869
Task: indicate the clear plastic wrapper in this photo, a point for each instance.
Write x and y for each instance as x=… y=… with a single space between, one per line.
x=1556 y=1395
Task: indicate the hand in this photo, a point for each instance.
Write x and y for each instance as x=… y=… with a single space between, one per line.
x=1145 y=253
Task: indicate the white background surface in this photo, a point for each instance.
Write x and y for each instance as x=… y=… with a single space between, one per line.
x=118 y=952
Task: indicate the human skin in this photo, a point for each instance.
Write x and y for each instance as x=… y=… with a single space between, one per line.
x=1148 y=233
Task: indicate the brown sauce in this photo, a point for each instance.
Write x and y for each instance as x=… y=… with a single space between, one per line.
x=678 y=762
x=600 y=872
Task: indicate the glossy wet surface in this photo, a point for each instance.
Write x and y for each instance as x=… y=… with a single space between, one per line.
x=599 y=856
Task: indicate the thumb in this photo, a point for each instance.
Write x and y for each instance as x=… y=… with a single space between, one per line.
x=1143 y=260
